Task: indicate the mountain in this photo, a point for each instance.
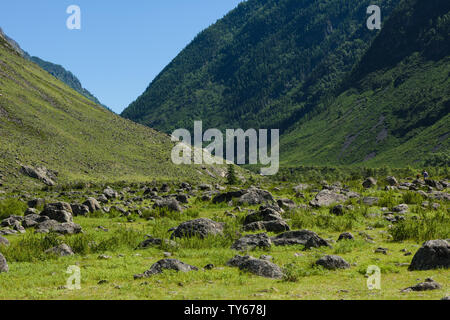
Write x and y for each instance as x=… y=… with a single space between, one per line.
x=45 y=123
x=55 y=70
x=393 y=109
x=340 y=93
x=263 y=65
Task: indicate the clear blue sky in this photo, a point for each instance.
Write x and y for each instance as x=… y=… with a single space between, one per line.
x=122 y=45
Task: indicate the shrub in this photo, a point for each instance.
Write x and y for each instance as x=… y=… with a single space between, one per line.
x=11 y=207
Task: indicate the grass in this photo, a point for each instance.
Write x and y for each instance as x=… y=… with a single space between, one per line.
x=36 y=275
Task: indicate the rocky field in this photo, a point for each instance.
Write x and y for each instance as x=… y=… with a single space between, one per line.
x=258 y=240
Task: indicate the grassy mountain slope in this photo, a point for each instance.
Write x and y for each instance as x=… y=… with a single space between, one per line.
x=264 y=65
x=394 y=106
x=43 y=122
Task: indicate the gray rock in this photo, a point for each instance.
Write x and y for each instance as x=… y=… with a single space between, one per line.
x=61 y=228
x=433 y=254
x=60 y=211
x=228 y=196
x=276 y=226
x=326 y=198
x=267 y=214
x=287 y=204
x=333 y=263
x=198 y=228
x=256 y=196
x=370 y=201
x=369 y=183
x=166 y=264
x=338 y=210
x=315 y=242
x=150 y=242
x=110 y=193
x=62 y=250
x=36 y=203
x=170 y=204
x=298 y=237
x=3 y=264
x=182 y=198
x=252 y=241
x=401 y=208
x=92 y=204
x=4 y=241
x=80 y=209
x=31 y=211
x=346 y=236
x=40 y=173
x=429 y=284
x=259 y=267
x=392 y=181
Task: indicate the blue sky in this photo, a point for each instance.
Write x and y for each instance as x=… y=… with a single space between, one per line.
x=122 y=45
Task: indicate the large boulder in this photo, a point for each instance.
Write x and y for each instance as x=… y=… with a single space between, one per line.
x=326 y=198
x=369 y=183
x=315 y=242
x=166 y=264
x=63 y=250
x=267 y=214
x=170 y=204
x=392 y=181
x=259 y=267
x=228 y=196
x=198 y=228
x=110 y=193
x=429 y=284
x=59 y=211
x=61 y=228
x=434 y=184
x=287 y=204
x=80 y=209
x=3 y=264
x=256 y=196
x=40 y=173
x=433 y=254
x=92 y=204
x=252 y=241
x=293 y=238
x=333 y=263
x=276 y=226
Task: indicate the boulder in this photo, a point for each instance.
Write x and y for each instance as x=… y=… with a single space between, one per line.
x=3 y=264
x=110 y=193
x=256 y=196
x=266 y=214
x=276 y=226
x=59 y=211
x=61 y=228
x=36 y=203
x=252 y=241
x=392 y=181
x=286 y=204
x=315 y=242
x=429 y=284
x=433 y=254
x=80 y=209
x=370 y=201
x=201 y=228
x=40 y=173
x=182 y=198
x=150 y=242
x=333 y=263
x=293 y=238
x=166 y=264
x=369 y=183
x=326 y=198
x=170 y=204
x=259 y=267
x=63 y=250
x=228 y=196
x=346 y=236
x=92 y=204
x=401 y=208
x=338 y=210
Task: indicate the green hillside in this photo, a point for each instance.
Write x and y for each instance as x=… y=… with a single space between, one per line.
x=263 y=65
x=394 y=107
x=43 y=122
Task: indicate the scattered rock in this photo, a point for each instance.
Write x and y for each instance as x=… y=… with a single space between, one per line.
x=287 y=204
x=93 y=205
x=429 y=284
x=4 y=241
x=198 y=228
x=252 y=241
x=433 y=254
x=79 y=209
x=255 y=196
x=3 y=264
x=166 y=264
x=333 y=263
x=259 y=267
x=369 y=183
x=293 y=238
x=392 y=181
x=40 y=173
x=110 y=193
x=170 y=204
x=62 y=250
x=326 y=198
x=59 y=211
x=61 y=228
x=276 y=226
x=346 y=236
